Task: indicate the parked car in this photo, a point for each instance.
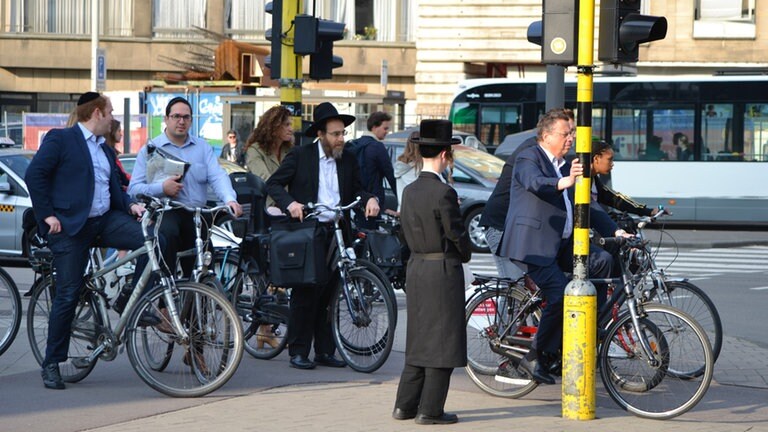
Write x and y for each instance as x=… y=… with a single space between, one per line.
x=512 y=142
x=475 y=175
x=15 y=203
x=467 y=139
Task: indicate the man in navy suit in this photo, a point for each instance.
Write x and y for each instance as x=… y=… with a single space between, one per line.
x=79 y=203
x=321 y=172
x=539 y=227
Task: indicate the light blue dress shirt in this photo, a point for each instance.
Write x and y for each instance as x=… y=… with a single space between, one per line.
x=100 y=203
x=204 y=170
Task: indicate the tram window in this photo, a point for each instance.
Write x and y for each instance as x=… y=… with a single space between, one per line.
x=653 y=134
x=464 y=117
x=756 y=133
x=717 y=132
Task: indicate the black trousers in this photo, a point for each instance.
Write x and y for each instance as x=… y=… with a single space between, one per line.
x=178 y=230
x=309 y=318
x=423 y=389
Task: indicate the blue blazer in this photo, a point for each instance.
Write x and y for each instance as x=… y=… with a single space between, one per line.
x=60 y=179
x=536 y=214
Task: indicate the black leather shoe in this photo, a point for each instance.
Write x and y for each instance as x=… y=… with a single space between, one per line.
x=301 y=362
x=400 y=414
x=445 y=418
x=148 y=319
x=534 y=369
x=329 y=360
x=52 y=377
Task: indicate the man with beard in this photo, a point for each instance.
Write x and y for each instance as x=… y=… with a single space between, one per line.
x=323 y=173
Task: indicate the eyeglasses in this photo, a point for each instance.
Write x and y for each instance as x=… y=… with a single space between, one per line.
x=565 y=134
x=338 y=134
x=178 y=117
x=231 y=136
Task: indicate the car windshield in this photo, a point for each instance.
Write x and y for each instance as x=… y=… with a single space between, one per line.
x=18 y=163
x=488 y=166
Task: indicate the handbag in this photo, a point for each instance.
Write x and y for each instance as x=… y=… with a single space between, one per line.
x=297 y=254
x=384 y=249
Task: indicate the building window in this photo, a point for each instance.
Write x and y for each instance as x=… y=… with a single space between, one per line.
x=724 y=19
x=67 y=17
x=177 y=19
x=381 y=20
x=246 y=19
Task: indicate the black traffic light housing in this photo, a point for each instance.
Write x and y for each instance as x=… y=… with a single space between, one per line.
x=274 y=35
x=557 y=33
x=623 y=29
x=315 y=37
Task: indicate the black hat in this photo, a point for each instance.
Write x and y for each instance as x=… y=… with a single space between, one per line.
x=436 y=133
x=87 y=97
x=322 y=113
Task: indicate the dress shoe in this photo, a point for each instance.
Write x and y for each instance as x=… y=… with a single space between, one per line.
x=165 y=325
x=301 y=362
x=329 y=360
x=148 y=319
x=444 y=418
x=534 y=369
x=401 y=414
x=52 y=377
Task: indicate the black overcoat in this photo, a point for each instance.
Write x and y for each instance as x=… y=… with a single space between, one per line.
x=439 y=243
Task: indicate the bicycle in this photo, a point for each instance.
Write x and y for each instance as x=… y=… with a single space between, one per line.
x=10 y=311
x=655 y=361
x=390 y=264
x=362 y=311
x=241 y=269
x=204 y=327
x=653 y=283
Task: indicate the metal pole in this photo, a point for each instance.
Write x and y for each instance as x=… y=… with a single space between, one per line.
x=126 y=125
x=580 y=305
x=94 y=42
x=555 y=88
x=291 y=67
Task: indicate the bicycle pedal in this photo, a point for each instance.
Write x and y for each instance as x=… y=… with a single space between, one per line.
x=81 y=362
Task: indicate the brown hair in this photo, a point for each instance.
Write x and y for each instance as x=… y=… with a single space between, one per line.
x=411 y=152
x=84 y=112
x=111 y=138
x=268 y=128
x=548 y=120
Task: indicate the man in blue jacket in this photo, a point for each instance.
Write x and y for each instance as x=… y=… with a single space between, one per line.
x=376 y=164
x=79 y=203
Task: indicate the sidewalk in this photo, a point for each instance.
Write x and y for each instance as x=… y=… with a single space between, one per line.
x=367 y=406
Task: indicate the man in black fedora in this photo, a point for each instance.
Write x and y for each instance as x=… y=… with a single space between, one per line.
x=324 y=173
x=436 y=340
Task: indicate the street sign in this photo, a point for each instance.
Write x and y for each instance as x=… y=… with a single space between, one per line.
x=101 y=70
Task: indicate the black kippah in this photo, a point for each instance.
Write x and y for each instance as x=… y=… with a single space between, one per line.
x=87 y=97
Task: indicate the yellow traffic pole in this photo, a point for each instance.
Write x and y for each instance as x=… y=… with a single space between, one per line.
x=580 y=305
x=290 y=66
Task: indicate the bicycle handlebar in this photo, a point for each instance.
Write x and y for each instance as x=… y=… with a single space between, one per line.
x=164 y=204
x=316 y=208
x=621 y=241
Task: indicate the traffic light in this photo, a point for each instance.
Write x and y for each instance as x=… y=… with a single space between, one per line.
x=557 y=33
x=274 y=35
x=315 y=37
x=623 y=29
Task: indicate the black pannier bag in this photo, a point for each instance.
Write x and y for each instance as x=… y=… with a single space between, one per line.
x=297 y=254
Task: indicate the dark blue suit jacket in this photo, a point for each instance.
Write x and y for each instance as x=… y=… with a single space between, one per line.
x=536 y=215
x=61 y=181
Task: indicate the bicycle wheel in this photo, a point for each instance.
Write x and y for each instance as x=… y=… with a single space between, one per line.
x=84 y=329
x=677 y=342
x=692 y=300
x=10 y=311
x=263 y=309
x=362 y=319
x=208 y=356
x=378 y=272
x=487 y=315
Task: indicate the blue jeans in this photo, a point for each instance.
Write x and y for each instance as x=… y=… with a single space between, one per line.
x=115 y=229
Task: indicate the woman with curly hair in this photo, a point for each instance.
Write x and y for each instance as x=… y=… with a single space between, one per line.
x=269 y=143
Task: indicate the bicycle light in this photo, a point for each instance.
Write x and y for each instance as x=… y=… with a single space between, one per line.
x=207 y=258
